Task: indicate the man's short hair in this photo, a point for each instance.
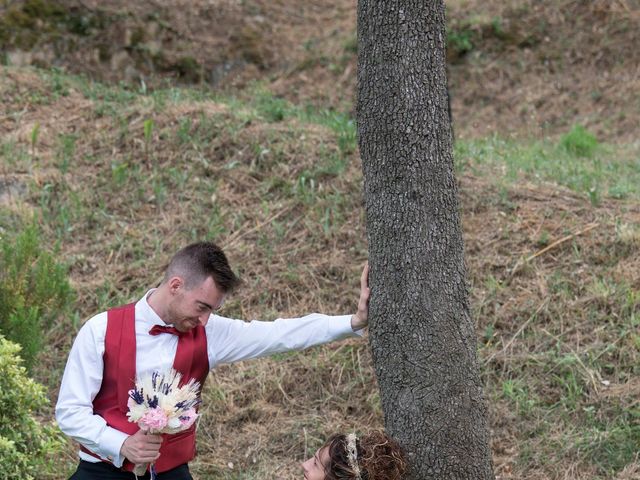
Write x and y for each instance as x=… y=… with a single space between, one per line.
x=200 y=260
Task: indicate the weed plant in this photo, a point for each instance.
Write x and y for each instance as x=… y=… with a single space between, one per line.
x=579 y=142
x=34 y=291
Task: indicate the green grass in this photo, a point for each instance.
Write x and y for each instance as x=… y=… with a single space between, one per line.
x=17 y=157
x=579 y=142
x=274 y=109
x=576 y=162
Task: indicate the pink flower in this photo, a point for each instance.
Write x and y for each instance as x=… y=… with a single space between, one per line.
x=188 y=417
x=153 y=419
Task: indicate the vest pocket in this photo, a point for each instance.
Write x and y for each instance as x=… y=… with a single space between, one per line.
x=182 y=435
x=176 y=450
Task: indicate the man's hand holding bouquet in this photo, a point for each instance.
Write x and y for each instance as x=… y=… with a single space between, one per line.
x=159 y=404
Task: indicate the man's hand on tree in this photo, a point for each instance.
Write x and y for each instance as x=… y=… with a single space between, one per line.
x=141 y=447
x=361 y=318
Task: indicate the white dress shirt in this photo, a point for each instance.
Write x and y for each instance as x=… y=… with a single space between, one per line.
x=228 y=340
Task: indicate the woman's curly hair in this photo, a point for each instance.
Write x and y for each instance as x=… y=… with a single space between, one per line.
x=379 y=458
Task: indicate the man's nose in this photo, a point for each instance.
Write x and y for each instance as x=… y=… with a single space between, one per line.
x=203 y=319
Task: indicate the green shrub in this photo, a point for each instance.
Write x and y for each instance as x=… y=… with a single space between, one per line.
x=27 y=447
x=34 y=291
x=579 y=142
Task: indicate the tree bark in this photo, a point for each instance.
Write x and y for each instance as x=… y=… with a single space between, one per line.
x=421 y=332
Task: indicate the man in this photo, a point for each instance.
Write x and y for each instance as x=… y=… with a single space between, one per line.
x=171 y=326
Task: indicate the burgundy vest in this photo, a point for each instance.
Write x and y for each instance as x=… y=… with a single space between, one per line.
x=119 y=377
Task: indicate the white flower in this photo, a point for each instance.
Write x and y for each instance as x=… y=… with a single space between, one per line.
x=174 y=423
x=136 y=412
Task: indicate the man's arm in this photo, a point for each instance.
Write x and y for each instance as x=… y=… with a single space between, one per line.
x=234 y=340
x=81 y=382
x=230 y=340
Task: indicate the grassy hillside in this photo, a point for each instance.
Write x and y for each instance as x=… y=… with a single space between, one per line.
x=520 y=67
x=117 y=180
x=129 y=129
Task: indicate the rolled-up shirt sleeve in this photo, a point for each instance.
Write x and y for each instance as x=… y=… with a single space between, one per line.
x=81 y=382
x=232 y=340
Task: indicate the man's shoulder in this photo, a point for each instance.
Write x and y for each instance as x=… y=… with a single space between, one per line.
x=216 y=321
x=218 y=325
x=97 y=322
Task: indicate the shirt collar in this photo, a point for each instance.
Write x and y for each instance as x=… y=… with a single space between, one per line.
x=145 y=313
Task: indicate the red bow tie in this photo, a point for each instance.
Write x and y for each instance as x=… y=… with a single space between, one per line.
x=158 y=329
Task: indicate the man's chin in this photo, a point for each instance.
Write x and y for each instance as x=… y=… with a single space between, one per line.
x=187 y=327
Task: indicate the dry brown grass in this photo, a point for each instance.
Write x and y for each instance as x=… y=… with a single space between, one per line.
x=551 y=65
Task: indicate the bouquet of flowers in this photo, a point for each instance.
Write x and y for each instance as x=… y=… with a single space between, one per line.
x=159 y=405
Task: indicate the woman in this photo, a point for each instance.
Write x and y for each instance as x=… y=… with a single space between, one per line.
x=372 y=457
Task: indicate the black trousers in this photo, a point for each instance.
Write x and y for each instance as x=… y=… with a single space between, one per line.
x=106 y=471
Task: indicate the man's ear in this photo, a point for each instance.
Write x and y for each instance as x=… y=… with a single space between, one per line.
x=175 y=284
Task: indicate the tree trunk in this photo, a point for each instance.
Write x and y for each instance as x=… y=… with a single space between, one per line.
x=421 y=332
